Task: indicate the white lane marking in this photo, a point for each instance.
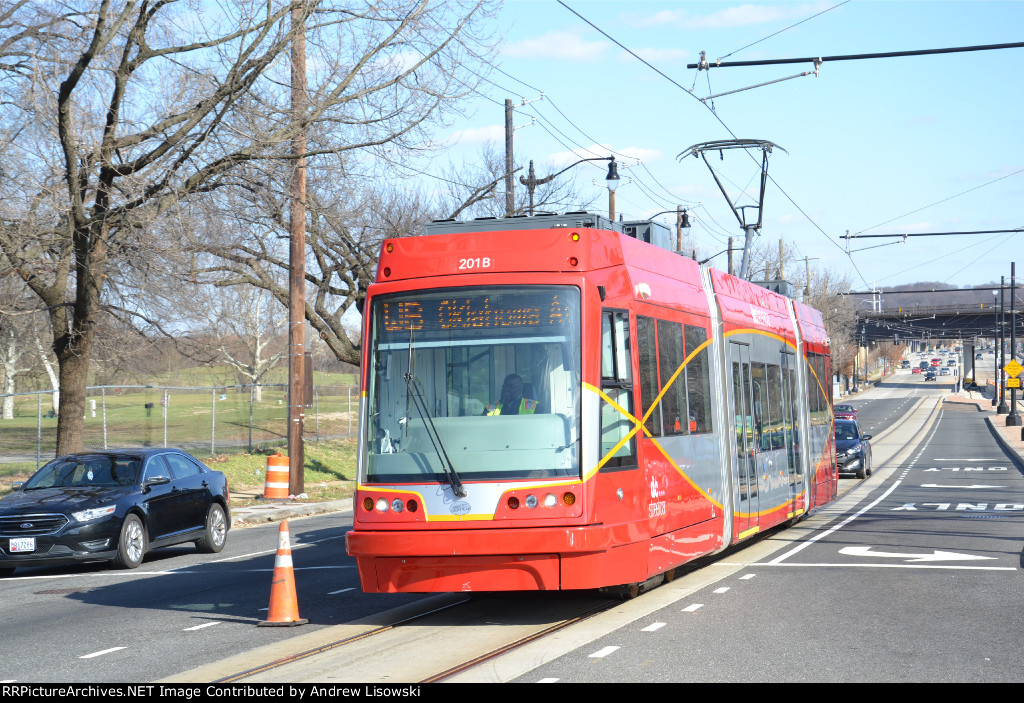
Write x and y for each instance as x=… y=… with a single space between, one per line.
x=936 y=485
x=936 y=555
x=748 y=576
x=343 y=590
x=99 y=654
x=604 y=652
x=903 y=566
x=693 y=608
x=549 y=680
x=200 y=627
x=653 y=627
x=723 y=589
x=294 y=545
x=172 y=572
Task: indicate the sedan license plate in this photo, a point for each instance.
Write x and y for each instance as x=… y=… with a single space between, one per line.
x=23 y=544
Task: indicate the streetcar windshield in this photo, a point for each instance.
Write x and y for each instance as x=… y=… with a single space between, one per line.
x=493 y=387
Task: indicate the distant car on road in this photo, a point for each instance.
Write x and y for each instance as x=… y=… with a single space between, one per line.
x=916 y=369
x=929 y=375
x=113 y=506
x=944 y=371
x=905 y=364
x=845 y=411
x=936 y=362
x=853 y=450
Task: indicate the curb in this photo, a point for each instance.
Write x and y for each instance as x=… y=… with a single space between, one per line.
x=259 y=515
x=1003 y=441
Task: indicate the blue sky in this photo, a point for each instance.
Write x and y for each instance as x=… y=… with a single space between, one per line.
x=916 y=144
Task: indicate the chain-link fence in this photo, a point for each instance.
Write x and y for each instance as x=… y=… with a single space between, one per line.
x=203 y=420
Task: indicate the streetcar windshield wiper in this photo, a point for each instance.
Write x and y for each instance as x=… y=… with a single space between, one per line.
x=421 y=407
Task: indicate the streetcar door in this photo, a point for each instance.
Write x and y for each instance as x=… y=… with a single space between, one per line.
x=791 y=423
x=743 y=460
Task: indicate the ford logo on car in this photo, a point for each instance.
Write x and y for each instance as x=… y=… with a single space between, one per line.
x=25 y=525
x=460 y=508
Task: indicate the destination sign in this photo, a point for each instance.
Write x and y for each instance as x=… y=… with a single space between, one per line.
x=547 y=309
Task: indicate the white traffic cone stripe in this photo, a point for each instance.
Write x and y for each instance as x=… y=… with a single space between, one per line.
x=283 y=561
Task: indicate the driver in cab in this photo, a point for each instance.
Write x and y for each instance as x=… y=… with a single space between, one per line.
x=512 y=401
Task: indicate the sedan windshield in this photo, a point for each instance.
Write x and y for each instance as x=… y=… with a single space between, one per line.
x=86 y=472
x=846 y=430
x=474 y=383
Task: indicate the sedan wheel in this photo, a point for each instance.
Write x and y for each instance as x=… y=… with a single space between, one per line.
x=216 y=531
x=131 y=546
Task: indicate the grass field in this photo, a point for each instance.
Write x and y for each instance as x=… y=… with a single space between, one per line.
x=329 y=470
x=214 y=421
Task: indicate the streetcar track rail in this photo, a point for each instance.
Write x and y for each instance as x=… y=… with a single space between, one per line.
x=500 y=651
x=292 y=658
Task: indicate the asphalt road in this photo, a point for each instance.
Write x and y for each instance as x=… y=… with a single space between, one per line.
x=917 y=578
x=180 y=609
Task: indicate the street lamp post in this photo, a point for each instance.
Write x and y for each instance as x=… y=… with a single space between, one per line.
x=682 y=222
x=1013 y=419
x=612 y=179
x=1001 y=358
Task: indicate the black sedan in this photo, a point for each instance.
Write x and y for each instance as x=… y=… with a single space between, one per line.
x=112 y=506
x=853 y=450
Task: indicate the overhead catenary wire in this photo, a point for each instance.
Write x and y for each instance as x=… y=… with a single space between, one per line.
x=720 y=121
x=807 y=19
x=904 y=235
x=855 y=57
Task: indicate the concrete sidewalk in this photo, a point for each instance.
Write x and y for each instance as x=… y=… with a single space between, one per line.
x=1009 y=437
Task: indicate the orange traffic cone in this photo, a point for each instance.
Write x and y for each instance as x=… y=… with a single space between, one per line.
x=284 y=608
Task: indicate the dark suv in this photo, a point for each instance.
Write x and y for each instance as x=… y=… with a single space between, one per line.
x=853 y=450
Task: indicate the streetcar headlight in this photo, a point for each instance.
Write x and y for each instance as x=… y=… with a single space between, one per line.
x=382 y=504
x=531 y=501
x=397 y=506
x=550 y=501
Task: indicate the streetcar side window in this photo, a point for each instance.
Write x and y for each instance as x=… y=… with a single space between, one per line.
x=670 y=361
x=698 y=381
x=759 y=411
x=618 y=438
x=647 y=351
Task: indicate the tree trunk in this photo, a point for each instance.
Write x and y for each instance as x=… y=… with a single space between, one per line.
x=7 y=413
x=52 y=374
x=74 y=371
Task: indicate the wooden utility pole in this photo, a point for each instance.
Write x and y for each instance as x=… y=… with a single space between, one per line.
x=510 y=204
x=730 y=256
x=807 y=274
x=297 y=263
x=679 y=228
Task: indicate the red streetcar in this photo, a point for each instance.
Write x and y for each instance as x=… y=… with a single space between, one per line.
x=552 y=402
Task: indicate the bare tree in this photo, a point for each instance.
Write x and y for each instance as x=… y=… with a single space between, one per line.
x=129 y=111
x=247 y=328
